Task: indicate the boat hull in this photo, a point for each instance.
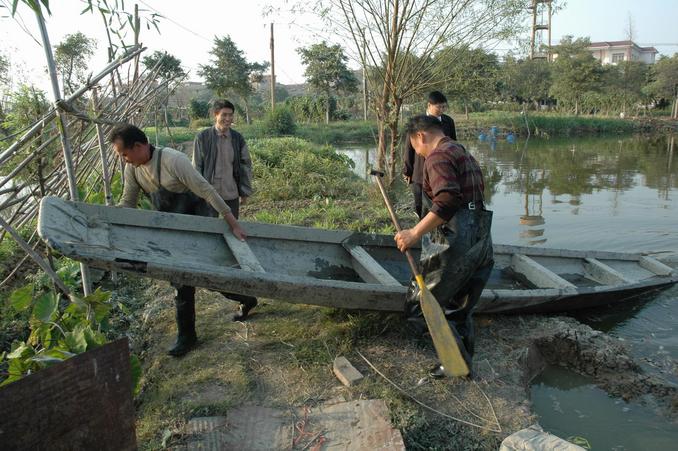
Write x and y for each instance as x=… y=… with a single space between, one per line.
x=330 y=268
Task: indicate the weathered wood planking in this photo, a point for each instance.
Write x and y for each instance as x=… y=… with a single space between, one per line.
x=83 y=403
x=243 y=253
x=537 y=274
x=655 y=266
x=604 y=274
x=368 y=268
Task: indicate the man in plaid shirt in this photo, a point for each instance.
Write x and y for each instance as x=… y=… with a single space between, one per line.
x=455 y=226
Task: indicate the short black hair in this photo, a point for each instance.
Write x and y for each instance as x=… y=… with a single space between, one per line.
x=436 y=98
x=220 y=104
x=422 y=123
x=129 y=134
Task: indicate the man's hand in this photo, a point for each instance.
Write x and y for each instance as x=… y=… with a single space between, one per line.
x=233 y=223
x=407 y=179
x=405 y=239
x=243 y=200
x=239 y=232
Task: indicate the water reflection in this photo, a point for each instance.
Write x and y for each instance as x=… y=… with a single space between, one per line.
x=580 y=193
x=363 y=157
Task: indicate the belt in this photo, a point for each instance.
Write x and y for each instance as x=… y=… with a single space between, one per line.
x=473 y=206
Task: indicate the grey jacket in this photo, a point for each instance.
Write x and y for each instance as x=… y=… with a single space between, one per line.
x=205 y=157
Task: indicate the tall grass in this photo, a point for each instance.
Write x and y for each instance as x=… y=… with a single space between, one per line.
x=292 y=169
x=545 y=124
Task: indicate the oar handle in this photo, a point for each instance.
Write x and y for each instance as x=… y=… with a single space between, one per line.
x=396 y=223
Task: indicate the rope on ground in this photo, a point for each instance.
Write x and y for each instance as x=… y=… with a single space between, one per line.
x=404 y=392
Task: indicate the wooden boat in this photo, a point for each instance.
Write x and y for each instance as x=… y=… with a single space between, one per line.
x=329 y=267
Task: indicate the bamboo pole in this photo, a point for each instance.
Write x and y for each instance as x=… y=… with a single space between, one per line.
x=35 y=256
x=38 y=126
x=102 y=152
x=63 y=132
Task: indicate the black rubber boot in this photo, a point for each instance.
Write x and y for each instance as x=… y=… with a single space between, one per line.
x=437 y=372
x=468 y=335
x=186 y=336
x=247 y=303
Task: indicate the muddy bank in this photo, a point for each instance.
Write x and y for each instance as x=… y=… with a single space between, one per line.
x=283 y=357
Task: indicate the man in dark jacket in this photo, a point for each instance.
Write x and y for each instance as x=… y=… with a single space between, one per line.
x=221 y=156
x=413 y=164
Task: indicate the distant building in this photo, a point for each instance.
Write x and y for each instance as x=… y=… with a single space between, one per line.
x=613 y=52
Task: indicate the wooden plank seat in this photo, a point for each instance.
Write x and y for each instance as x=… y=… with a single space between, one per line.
x=368 y=268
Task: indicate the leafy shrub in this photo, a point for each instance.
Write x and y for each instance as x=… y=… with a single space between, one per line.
x=280 y=121
x=199 y=109
x=60 y=327
x=201 y=123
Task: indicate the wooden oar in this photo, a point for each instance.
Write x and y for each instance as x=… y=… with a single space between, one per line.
x=444 y=340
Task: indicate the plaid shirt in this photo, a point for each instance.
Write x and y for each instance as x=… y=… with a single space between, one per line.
x=452 y=178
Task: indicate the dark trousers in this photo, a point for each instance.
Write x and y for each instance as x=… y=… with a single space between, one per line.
x=206 y=209
x=416 y=189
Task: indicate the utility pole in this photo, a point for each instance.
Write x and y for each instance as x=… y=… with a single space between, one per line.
x=272 y=71
x=63 y=131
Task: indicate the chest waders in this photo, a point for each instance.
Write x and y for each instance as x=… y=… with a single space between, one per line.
x=189 y=203
x=184 y=300
x=456 y=262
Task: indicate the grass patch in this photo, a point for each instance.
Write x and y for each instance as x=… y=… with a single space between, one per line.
x=178 y=135
x=334 y=133
x=292 y=169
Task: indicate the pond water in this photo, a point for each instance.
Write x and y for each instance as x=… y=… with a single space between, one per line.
x=608 y=193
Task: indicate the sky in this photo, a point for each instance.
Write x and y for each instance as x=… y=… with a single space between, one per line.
x=189 y=27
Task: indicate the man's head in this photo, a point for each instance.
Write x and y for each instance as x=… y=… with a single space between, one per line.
x=131 y=144
x=437 y=103
x=424 y=132
x=223 y=114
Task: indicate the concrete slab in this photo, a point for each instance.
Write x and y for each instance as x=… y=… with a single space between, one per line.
x=354 y=425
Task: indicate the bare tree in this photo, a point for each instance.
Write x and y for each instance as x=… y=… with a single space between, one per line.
x=400 y=41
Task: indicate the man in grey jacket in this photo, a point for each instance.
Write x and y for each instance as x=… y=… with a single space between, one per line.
x=221 y=156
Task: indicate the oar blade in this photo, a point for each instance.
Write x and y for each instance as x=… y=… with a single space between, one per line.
x=444 y=341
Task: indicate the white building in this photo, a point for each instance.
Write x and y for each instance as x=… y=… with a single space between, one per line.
x=613 y=52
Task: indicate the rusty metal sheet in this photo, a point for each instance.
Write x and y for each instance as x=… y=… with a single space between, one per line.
x=83 y=403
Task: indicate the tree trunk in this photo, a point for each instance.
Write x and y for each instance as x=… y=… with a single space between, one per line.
x=169 y=132
x=393 y=127
x=675 y=108
x=466 y=109
x=247 y=112
x=381 y=146
x=327 y=110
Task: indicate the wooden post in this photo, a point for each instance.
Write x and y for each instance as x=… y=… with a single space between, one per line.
x=272 y=70
x=63 y=132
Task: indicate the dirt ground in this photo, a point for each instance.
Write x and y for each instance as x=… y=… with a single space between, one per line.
x=283 y=356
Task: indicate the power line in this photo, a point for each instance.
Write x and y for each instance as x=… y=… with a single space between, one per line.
x=175 y=22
